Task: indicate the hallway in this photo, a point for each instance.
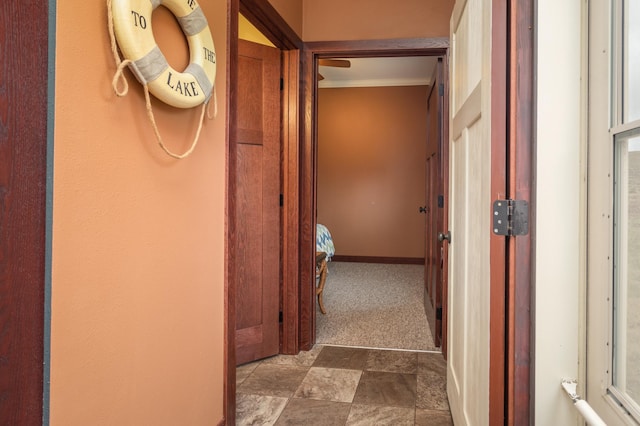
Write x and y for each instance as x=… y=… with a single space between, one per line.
x=332 y=385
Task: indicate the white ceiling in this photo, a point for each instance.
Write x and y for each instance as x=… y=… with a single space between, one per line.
x=366 y=72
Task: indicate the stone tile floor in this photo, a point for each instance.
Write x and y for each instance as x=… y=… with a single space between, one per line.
x=332 y=385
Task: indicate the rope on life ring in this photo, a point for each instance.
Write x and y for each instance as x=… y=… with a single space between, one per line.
x=130 y=29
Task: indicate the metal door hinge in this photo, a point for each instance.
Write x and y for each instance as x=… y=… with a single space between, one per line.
x=510 y=217
x=441 y=89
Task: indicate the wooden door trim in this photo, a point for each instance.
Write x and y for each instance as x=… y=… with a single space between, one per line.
x=266 y=19
x=290 y=211
x=521 y=148
x=24 y=255
x=229 y=392
x=307 y=194
x=435 y=46
x=308 y=164
x=512 y=108
x=261 y=14
x=498 y=296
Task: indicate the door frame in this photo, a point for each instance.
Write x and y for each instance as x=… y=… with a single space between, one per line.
x=25 y=213
x=521 y=146
x=264 y=17
x=512 y=128
x=438 y=46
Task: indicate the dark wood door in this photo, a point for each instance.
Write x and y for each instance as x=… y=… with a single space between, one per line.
x=258 y=203
x=431 y=297
x=436 y=176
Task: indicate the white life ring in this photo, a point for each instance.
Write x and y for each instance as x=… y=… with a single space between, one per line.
x=132 y=25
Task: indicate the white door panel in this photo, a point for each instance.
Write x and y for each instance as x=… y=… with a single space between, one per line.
x=469 y=217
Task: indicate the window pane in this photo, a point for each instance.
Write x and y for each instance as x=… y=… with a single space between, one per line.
x=631 y=89
x=626 y=376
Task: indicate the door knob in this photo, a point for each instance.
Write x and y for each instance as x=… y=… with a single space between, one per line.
x=424 y=209
x=444 y=236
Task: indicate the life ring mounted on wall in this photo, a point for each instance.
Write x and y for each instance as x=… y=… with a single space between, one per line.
x=132 y=25
x=130 y=30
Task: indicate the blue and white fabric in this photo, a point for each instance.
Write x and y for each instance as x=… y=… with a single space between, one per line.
x=324 y=242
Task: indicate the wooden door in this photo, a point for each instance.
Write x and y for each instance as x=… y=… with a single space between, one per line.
x=442 y=220
x=431 y=246
x=436 y=211
x=258 y=203
x=469 y=288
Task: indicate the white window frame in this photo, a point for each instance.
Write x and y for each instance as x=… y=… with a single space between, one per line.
x=604 y=123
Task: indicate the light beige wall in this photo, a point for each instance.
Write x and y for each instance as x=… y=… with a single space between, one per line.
x=558 y=183
x=138 y=239
x=375 y=19
x=291 y=11
x=371 y=162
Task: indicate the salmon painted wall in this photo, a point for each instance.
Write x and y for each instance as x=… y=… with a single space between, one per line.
x=138 y=238
x=371 y=169
x=375 y=19
x=291 y=11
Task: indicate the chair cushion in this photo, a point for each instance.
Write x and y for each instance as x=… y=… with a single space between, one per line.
x=324 y=242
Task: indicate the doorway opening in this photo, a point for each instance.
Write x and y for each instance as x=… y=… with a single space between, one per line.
x=379 y=122
x=309 y=191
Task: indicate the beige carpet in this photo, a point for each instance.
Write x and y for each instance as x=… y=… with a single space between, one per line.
x=374 y=306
